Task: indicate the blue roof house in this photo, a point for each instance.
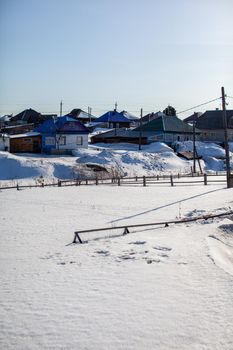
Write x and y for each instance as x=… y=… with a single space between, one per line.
x=62 y=135
x=114 y=119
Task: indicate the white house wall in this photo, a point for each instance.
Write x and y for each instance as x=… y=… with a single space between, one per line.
x=71 y=141
x=216 y=135
x=4 y=143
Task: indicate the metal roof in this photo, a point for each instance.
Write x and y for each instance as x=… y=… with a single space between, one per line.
x=113 y=117
x=167 y=123
x=214 y=120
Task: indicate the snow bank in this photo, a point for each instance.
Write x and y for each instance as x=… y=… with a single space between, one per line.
x=130 y=163
x=221 y=253
x=204 y=149
x=214 y=164
x=24 y=167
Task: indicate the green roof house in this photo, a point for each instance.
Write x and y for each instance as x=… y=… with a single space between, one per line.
x=167 y=129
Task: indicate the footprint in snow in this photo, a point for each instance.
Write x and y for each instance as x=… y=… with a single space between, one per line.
x=150 y=261
x=165 y=249
x=163 y=255
x=138 y=242
x=126 y=257
x=103 y=252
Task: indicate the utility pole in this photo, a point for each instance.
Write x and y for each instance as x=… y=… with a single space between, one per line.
x=140 y=132
x=226 y=145
x=60 y=108
x=194 y=146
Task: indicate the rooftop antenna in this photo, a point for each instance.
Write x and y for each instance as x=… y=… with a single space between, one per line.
x=60 y=108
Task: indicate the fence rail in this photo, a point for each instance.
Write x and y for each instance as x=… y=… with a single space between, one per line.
x=165 y=223
x=166 y=179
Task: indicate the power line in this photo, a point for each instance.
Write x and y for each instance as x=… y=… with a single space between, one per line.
x=202 y=104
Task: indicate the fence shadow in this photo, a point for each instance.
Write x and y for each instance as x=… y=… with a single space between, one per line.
x=164 y=206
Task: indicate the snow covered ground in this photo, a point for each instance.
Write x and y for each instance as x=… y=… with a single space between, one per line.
x=156 y=158
x=155 y=288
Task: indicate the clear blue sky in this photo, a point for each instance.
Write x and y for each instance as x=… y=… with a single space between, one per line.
x=140 y=53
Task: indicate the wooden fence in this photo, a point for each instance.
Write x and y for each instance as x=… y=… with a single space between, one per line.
x=162 y=223
x=159 y=180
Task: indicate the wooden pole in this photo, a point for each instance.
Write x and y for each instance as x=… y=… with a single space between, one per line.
x=144 y=181
x=140 y=132
x=171 y=179
x=205 y=179
x=194 y=147
x=226 y=145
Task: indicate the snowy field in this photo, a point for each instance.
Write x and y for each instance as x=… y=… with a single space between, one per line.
x=157 y=288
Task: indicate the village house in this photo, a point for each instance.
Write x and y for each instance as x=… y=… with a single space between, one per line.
x=18 y=129
x=151 y=116
x=28 y=119
x=168 y=128
x=115 y=120
x=210 y=124
x=82 y=116
x=28 y=116
x=193 y=118
x=62 y=135
x=165 y=128
x=29 y=142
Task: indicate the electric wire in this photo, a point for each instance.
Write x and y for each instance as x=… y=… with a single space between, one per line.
x=202 y=104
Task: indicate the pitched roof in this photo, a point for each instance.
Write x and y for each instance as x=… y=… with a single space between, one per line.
x=192 y=118
x=113 y=117
x=80 y=114
x=27 y=134
x=214 y=120
x=167 y=123
x=26 y=115
x=150 y=116
x=30 y=116
x=129 y=116
x=62 y=124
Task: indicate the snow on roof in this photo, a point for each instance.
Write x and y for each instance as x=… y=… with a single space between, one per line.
x=26 y=134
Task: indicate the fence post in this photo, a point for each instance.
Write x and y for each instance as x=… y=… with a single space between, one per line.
x=96 y=181
x=178 y=175
x=157 y=177
x=17 y=187
x=144 y=181
x=171 y=179
x=59 y=183
x=136 y=178
x=119 y=181
x=205 y=179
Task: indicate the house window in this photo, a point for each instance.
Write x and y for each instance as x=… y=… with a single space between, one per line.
x=27 y=140
x=79 y=140
x=62 y=140
x=49 y=141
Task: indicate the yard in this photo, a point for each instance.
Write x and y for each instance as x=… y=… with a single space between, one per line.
x=158 y=287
